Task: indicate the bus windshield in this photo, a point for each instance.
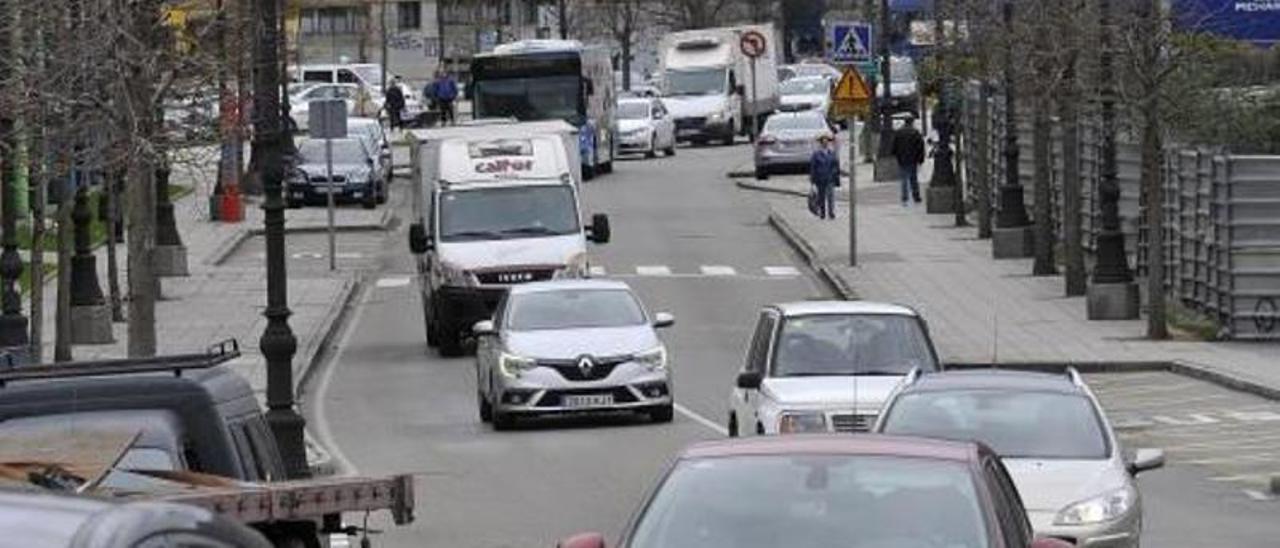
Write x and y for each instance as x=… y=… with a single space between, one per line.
x=536 y=98
x=696 y=82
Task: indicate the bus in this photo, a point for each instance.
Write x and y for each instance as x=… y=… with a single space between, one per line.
x=534 y=80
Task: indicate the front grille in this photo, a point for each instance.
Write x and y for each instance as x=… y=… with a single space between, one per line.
x=323 y=179
x=601 y=368
x=852 y=423
x=508 y=277
x=552 y=397
x=691 y=123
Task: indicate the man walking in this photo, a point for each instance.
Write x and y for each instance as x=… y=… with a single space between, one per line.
x=824 y=175
x=908 y=149
x=445 y=91
x=395 y=103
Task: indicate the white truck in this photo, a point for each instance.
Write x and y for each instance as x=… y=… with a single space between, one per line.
x=494 y=204
x=708 y=85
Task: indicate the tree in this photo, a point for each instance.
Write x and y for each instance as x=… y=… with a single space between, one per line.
x=623 y=19
x=690 y=14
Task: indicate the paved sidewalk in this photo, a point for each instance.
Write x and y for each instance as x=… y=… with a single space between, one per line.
x=219 y=301
x=983 y=310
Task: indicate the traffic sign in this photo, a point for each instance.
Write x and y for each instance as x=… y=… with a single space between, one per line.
x=852 y=95
x=850 y=42
x=752 y=44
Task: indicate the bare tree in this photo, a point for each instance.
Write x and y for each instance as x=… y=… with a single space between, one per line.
x=623 y=20
x=690 y=14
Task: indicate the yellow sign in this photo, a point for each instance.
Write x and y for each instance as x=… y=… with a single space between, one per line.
x=852 y=88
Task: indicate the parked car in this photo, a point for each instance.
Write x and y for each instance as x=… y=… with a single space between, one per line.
x=359 y=102
x=571 y=346
x=42 y=520
x=904 y=88
x=826 y=366
x=822 y=491
x=1052 y=435
x=788 y=140
x=645 y=126
x=354 y=178
x=808 y=69
x=807 y=93
x=374 y=136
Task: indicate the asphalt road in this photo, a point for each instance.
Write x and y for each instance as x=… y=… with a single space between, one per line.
x=691 y=244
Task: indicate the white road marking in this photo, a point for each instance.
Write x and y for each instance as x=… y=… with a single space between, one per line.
x=307 y=255
x=718 y=270
x=1258 y=495
x=339 y=540
x=393 y=281
x=701 y=419
x=349 y=255
x=781 y=271
x=653 y=270
x=599 y=271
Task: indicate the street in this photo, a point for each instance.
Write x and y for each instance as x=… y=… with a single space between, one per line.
x=690 y=243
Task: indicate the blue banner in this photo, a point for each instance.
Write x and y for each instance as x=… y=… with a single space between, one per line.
x=1256 y=21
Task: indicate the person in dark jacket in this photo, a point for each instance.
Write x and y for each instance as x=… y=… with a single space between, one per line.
x=908 y=149
x=824 y=174
x=395 y=103
x=445 y=91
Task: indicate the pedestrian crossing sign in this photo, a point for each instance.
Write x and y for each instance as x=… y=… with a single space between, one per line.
x=849 y=42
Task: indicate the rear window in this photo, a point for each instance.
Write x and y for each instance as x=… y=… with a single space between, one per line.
x=796 y=122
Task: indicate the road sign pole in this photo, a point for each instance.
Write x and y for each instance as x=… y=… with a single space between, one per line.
x=754 y=113
x=328 y=166
x=851 y=122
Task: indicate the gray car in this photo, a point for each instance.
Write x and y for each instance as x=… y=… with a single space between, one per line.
x=787 y=141
x=1075 y=480
x=571 y=346
x=354 y=174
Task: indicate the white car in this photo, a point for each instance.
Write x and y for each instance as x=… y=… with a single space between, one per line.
x=644 y=125
x=806 y=93
x=360 y=102
x=826 y=366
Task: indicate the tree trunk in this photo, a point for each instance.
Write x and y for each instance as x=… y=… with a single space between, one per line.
x=1153 y=188
x=1040 y=145
x=1076 y=278
x=112 y=222
x=62 y=314
x=140 y=188
x=38 y=178
x=624 y=43
x=982 y=152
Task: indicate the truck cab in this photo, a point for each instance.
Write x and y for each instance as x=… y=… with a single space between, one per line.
x=711 y=88
x=494 y=206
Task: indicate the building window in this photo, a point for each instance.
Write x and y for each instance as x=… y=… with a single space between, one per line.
x=409 y=15
x=330 y=21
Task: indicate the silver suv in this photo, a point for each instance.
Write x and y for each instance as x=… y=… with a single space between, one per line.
x=571 y=346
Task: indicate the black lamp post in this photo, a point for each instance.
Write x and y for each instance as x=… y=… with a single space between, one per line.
x=886 y=97
x=277 y=343
x=1013 y=237
x=13 y=325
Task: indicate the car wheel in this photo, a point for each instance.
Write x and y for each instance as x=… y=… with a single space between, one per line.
x=450 y=341
x=762 y=173
x=293 y=203
x=671 y=150
x=382 y=193
x=503 y=421
x=759 y=429
x=729 y=138
x=653 y=148
x=661 y=413
x=733 y=425
x=486 y=409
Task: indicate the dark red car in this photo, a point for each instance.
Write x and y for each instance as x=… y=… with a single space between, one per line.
x=866 y=491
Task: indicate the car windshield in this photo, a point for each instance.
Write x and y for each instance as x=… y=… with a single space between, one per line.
x=803 y=86
x=813 y=501
x=812 y=70
x=851 y=344
x=345 y=151
x=574 y=308
x=541 y=98
x=695 y=82
x=790 y=123
x=1044 y=425
x=496 y=213
x=370 y=74
x=633 y=110
x=902 y=71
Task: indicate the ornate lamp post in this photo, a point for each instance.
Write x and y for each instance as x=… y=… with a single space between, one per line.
x=1112 y=293
x=90 y=313
x=1012 y=237
x=941 y=196
x=886 y=168
x=13 y=325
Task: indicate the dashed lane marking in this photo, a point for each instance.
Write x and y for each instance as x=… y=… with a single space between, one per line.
x=392 y=281
x=1258 y=495
x=782 y=271
x=599 y=271
x=718 y=270
x=653 y=270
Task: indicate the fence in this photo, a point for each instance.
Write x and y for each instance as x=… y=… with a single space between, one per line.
x=1222 y=213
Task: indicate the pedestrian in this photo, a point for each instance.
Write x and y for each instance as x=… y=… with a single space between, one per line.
x=445 y=91
x=395 y=103
x=908 y=149
x=824 y=175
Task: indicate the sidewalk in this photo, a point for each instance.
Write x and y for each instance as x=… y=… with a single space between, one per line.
x=218 y=301
x=981 y=310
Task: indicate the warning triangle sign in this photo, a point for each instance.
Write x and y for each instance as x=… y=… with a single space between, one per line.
x=852 y=88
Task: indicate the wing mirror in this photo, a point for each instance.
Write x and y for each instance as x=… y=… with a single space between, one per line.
x=740 y=89
x=583 y=540
x=418 y=241
x=483 y=328
x=599 y=231
x=750 y=380
x=663 y=319
x=1146 y=459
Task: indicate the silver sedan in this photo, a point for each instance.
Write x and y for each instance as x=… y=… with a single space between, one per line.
x=787 y=141
x=571 y=346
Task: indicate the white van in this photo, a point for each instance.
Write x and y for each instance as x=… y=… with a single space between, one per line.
x=707 y=82
x=493 y=205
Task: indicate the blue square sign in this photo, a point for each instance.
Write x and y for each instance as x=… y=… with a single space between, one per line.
x=850 y=42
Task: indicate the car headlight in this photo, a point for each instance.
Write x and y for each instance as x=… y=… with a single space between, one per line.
x=453 y=275
x=359 y=176
x=799 y=423
x=513 y=366
x=655 y=359
x=1107 y=507
x=716 y=116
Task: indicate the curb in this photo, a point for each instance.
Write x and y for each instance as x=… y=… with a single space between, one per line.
x=329 y=328
x=840 y=196
x=223 y=251
x=834 y=280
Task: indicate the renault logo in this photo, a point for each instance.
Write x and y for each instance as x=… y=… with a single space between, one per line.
x=585 y=365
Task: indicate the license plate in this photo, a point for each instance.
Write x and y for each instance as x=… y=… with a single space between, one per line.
x=687 y=132
x=324 y=189
x=586 y=400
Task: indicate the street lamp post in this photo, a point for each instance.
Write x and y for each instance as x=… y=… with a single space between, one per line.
x=1012 y=237
x=941 y=195
x=886 y=166
x=277 y=343
x=1112 y=293
x=90 y=314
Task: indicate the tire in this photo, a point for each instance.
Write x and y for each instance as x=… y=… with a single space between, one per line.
x=762 y=173
x=661 y=413
x=370 y=199
x=728 y=140
x=486 y=409
x=433 y=338
x=653 y=148
x=382 y=193
x=503 y=421
x=450 y=341
x=671 y=150
x=588 y=172
x=733 y=425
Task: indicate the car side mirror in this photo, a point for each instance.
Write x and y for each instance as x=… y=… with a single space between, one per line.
x=1146 y=459
x=583 y=540
x=599 y=231
x=663 y=319
x=483 y=328
x=418 y=241
x=740 y=89
x=1047 y=542
x=750 y=380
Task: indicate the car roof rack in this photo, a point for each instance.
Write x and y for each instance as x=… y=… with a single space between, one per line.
x=215 y=354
